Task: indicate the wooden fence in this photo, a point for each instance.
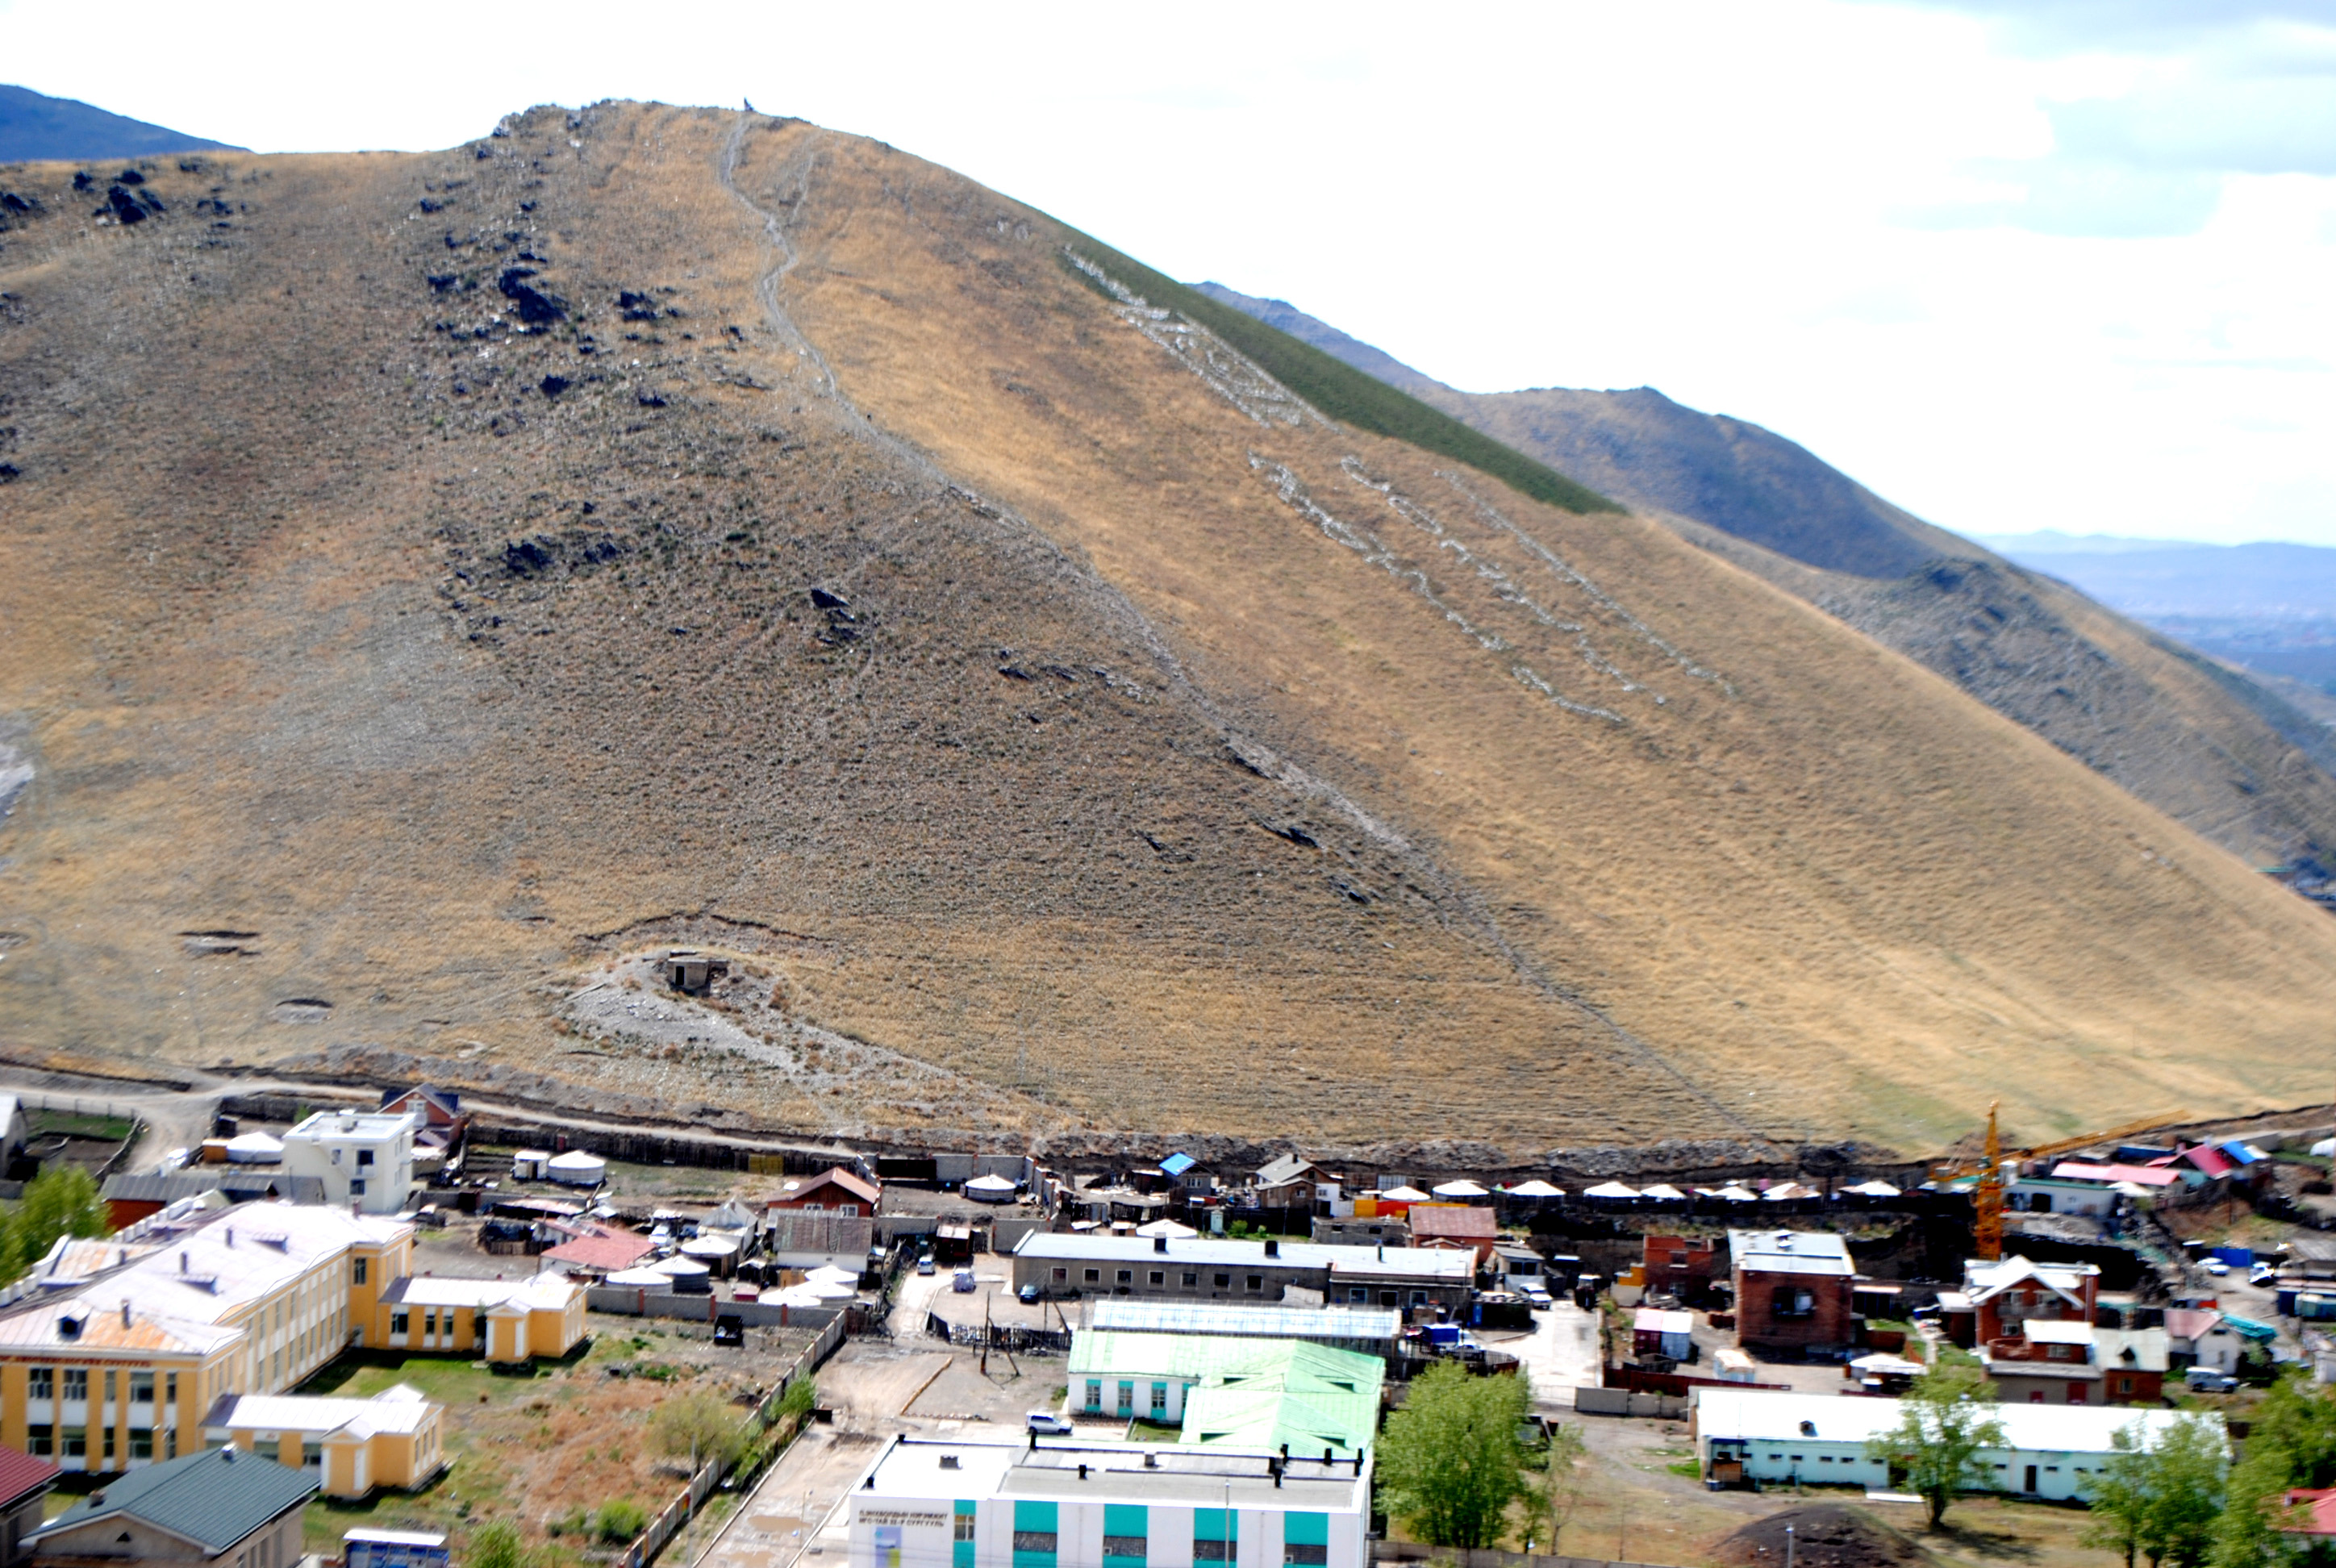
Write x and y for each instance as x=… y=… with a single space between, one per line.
x=686 y=1504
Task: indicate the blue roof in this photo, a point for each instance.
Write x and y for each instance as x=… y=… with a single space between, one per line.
x=2241 y=1153
x=214 y=1498
x=1176 y=1164
x=2249 y=1329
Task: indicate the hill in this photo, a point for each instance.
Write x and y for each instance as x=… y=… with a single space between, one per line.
x=33 y=125
x=436 y=581
x=2246 y=762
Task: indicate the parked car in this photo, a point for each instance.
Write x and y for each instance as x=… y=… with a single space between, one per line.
x=1535 y=1297
x=925 y=1264
x=2217 y=1267
x=2206 y=1381
x=1028 y=1294
x=963 y=1283
x=2263 y=1274
x=1045 y=1423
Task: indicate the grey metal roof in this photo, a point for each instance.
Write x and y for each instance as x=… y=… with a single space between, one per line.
x=1140 y=1314
x=213 y=1499
x=1285 y=1170
x=1790 y=1252
x=239 y=1185
x=1211 y=1251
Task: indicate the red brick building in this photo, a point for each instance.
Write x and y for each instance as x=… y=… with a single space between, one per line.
x=1792 y=1290
x=1455 y=1225
x=1682 y=1265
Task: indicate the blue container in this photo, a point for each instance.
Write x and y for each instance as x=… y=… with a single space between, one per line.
x=2236 y=1256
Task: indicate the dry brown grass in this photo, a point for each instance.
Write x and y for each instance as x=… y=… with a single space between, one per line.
x=278 y=676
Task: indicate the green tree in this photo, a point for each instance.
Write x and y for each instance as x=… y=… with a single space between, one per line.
x=1450 y=1462
x=700 y=1425
x=1944 y=1424
x=62 y=1201
x=2161 y=1499
x=2292 y=1444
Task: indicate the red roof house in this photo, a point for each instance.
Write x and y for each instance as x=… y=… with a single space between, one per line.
x=1455 y=1225
x=836 y=1191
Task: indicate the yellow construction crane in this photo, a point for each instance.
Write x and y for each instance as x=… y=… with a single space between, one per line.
x=1987 y=1195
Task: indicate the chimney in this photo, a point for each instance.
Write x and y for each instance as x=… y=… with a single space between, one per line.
x=231 y=1235
x=1159 y=1244
x=1272 y=1247
x=1083 y=1472
x=125 y=1314
x=182 y=1262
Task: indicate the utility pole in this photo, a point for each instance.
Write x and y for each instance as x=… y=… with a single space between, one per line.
x=1788 y=1546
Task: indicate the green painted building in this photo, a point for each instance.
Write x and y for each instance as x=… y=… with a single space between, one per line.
x=1247 y=1393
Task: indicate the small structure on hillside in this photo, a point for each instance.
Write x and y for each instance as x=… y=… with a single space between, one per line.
x=687 y=969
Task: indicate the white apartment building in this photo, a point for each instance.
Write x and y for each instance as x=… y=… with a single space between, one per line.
x=362 y=1157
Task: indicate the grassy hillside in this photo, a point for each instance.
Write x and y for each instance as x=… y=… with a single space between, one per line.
x=462 y=574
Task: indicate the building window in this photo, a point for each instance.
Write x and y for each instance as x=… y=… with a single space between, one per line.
x=1212 y=1551
x=110 y=1386
x=1127 y=1275
x=1094 y=1394
x=41 y=1440
x=76 y=1384
x=1257 y=1281
x=43 y=1384
x=1035 y=1541
x=1159 y=1401
x=1419 y=1297
x=962 y=1529
x=398 y=1320
x=141 y=1442
x=1224 y=1281
x=1158 y=1277
x=1126 y=1397
x=169 y=1387
x=1190 y=1280
x=364 y=1157
x=1357 y=1293
x=142 y=1387
x=169 y=1442
x=1304 y=1554
x=1092 y=1275
x=1061 y=1275
x=1124 y=1548
x=1390 y=1298
x=109 y=1446
x=76 y=1443
x=357 y=1186
x=357 y=1273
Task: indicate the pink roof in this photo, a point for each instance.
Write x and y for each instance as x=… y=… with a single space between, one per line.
x=609 y=1251
x=2320 y=1506
x=1451 y=1220
x=2189 y=1322
x=2210 y=1159
x=2140 y=1175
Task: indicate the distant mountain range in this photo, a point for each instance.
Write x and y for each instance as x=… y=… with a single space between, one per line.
x=34 y=127
x=1998 y=618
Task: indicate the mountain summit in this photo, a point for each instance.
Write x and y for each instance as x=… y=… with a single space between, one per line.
x=34 y=126
x=437 y=583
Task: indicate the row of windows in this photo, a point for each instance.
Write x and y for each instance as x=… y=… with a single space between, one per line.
x=40 y=1383
x=1133 y=1548
x=41 y=1440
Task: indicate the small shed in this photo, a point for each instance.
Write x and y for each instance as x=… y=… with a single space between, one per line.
x=1656 y=1332
x=687 y=969
x=527 y=1165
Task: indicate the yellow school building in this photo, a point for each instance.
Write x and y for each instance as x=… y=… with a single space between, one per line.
x=113 y=1352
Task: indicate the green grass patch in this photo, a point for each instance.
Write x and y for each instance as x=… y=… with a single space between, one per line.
x=1141 y=1431
x=1336 y=388
x=1690 y=1468
x=66 y=1125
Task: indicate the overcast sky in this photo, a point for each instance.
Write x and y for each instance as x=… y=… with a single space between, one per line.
x=2014 y=264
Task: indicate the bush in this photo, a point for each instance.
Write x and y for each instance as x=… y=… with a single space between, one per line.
x=62 y=1201
x=699 y=1424
x=619 y=1522
x=495 y=1544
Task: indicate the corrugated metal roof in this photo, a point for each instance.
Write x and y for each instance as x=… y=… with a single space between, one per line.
x=1176 y=1164
x=1764 y=1417
x=1211 y=1250
x=214 y=1499
x=1364 y=1325
x=1112 y=1353
x=20 y=1473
